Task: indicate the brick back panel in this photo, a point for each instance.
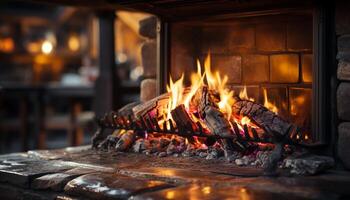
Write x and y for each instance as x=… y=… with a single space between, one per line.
x=270 y=53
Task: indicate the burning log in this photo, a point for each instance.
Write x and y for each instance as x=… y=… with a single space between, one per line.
x=153 y=104
x=111 y=140
x=146 y=107
x=271 y=123
x=215 y=120
x=126 y=140
x=183 y=120
x=263 y=117
x=108 y=121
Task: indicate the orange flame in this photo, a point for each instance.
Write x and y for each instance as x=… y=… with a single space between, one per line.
x=176 y=90
x=217 y=83
x=196 y=83
x=244 y=95
x=268 y=104
x=245 y=120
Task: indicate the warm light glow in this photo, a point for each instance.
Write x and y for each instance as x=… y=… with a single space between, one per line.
x=268 y=104
x=206 y=190
x=33 y=47
x=243 y=190
x=306 y=137
x=46 y=47
x=7 y=45
x=170 y=195
x=300 y=100
x=74 y=43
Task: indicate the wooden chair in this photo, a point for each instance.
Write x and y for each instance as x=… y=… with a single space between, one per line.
x=73 y=121
x=18 y=123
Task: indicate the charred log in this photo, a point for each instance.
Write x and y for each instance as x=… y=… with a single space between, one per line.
x=126 y=140
x=108 y=121
x=146 y=107
x=215 y=120
x=153 y=104
x=272 y=124
x=261 y=116
x=183 y=121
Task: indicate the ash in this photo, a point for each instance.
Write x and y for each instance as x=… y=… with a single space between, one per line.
x=256 y=155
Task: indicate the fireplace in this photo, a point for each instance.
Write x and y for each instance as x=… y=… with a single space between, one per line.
x=269 y=55
x=281 y=68
x=250 y=74
x=276 y=54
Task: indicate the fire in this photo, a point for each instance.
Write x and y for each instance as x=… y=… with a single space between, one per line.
x=214 y=82
x=217 y=83
x=244 y=95
x=245 y=120
x=268 y=104
x=196 y=83
x=176 y=90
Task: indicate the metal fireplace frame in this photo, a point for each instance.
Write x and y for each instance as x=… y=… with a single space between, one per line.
x=322 y=109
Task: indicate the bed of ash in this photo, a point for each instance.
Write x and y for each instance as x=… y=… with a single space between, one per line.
x=297 y=160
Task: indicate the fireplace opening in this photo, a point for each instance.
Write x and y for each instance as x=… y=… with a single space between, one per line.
x=269 y=57
x=236 y=86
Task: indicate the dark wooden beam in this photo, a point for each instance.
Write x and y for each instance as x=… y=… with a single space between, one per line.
x=107 y=84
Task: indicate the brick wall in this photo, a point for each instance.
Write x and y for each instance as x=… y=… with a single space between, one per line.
x=272 y=53
x=342 y=18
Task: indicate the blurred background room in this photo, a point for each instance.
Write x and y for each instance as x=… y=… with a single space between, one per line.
x=51 y=61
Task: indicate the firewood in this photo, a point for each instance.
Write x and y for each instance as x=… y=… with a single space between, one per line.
x=125 y=141
x=272 y=124
x=215 y=120
x=182 y=119
x=262 y=117
x=107 y=121
x=142 y=109
x=159 y=102
x=128 y=109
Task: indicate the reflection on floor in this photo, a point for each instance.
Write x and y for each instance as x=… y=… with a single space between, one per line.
x=88 y=174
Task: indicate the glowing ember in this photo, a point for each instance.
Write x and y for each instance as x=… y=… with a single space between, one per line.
x=245 y=120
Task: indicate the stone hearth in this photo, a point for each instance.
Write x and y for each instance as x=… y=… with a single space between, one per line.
x=81 y=173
